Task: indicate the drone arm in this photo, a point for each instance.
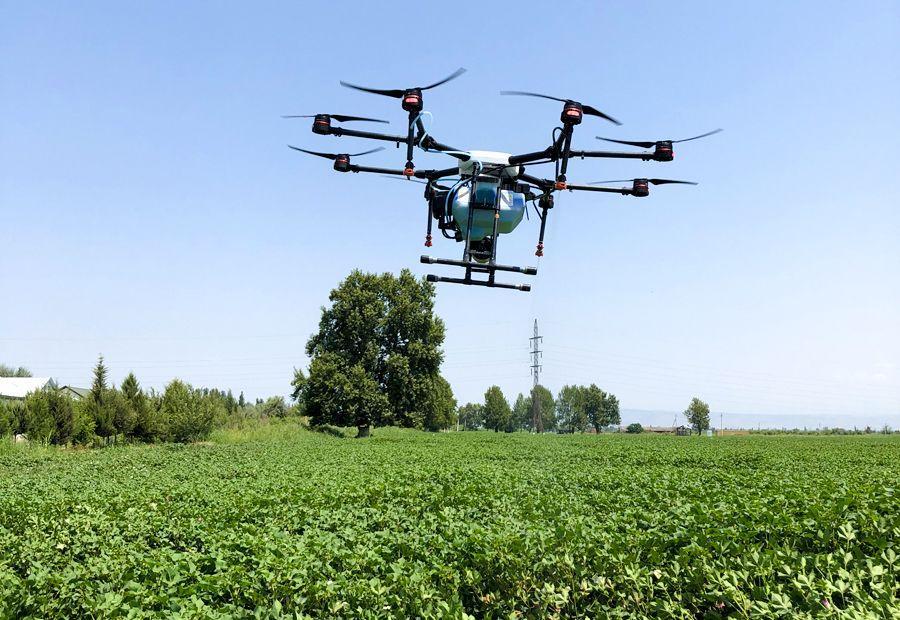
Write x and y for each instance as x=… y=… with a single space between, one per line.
x=419 y=174
x=625 y=191
x=547 y=153
x=612 y=155
x=340 y=131
x=542 y=184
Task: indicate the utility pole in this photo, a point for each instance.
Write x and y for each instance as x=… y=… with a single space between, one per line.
x=721 y=424
x=537 y=421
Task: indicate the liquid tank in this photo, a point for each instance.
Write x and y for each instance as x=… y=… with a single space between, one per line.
x=512 y=208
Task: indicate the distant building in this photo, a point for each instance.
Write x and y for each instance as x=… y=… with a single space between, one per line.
x=76 y=393
x=16 y=388
x=668 y=430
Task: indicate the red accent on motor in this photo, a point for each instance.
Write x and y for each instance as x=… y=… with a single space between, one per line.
x=540 y=250
x=342 y=163
x=663 y=152
x=427 y=241
x=571 y=114
x=409 y=171
x=560 y=185
x=412 y=101
x=640 y=188
x=322 y=124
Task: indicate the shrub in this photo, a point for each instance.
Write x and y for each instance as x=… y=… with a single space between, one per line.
x=48 y=416
x=83 y=422
x=8 y=420
x=635 y=428
x=189 y=414
x=275 y=407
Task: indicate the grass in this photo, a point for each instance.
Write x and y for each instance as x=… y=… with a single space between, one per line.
x=278 y=521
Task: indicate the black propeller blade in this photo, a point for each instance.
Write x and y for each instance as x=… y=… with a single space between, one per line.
x=585 y=108
x=653 y=181
x=646 y=144
x=398 y=93
x=341 y=118
x=335 y=155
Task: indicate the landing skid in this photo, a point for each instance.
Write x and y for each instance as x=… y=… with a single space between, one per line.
x=475 y=267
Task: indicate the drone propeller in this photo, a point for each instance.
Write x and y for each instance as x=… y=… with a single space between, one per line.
x=341 y=118
x=569 y=102
x=335 y=155
x=398 y=93
x=653 y=181
x=648 y=144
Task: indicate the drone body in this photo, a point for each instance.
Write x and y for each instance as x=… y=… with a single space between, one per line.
x=486 y=194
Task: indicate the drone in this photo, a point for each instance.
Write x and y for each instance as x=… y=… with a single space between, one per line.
x=486 y=193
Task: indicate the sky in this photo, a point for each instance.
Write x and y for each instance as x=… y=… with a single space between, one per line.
x=151 y=211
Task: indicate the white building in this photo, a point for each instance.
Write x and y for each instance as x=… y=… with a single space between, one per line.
x=17 y=388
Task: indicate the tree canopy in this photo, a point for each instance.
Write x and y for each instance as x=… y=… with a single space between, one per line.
x=375 y=359
x=497 y=413
x=697 y=415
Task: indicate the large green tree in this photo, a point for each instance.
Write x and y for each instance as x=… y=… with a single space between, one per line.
x=471 y=416
x=523 y=412
x=601 y=408
x=570 y=410
x=697 y=415
x=376 y=357
x=497 y=412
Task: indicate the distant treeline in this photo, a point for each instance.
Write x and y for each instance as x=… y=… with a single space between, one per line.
x=575 y=409
x=180 y=413
x=884 y=430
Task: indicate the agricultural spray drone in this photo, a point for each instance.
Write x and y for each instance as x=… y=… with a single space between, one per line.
x=486 y=194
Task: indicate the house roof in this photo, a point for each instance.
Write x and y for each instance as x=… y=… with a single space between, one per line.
x=19 y=387
x=82 y=392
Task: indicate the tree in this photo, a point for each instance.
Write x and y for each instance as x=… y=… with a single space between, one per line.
x=438 y=403
x=634 y=428
x=523 y=414
x=275 y=407
x=230 y=403
x=611 y=413
x=376 y=353
x=570 y=411
x=12 y=371
x=189 y=413
x=98 y=387
x=594 y=402
x=601 y=408
x=471 y=416
x=497 y=412
x=297 y=383
x=697 y=415
x=241 y=400
x=48 y=416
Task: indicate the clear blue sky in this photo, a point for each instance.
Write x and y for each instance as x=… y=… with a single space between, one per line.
x=150 y=210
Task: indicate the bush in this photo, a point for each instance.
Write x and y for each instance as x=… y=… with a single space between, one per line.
x=48 y=417
x=83 y=422
x=275 y=407
x=635 y=428
x=189 y=414
x=8 y=421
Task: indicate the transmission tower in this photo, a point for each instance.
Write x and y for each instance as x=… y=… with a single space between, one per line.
x=537 y=421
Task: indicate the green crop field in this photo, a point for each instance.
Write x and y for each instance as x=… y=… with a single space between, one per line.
x=284 y=522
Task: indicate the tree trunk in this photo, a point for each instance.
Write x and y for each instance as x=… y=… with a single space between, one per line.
x=363 y=431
